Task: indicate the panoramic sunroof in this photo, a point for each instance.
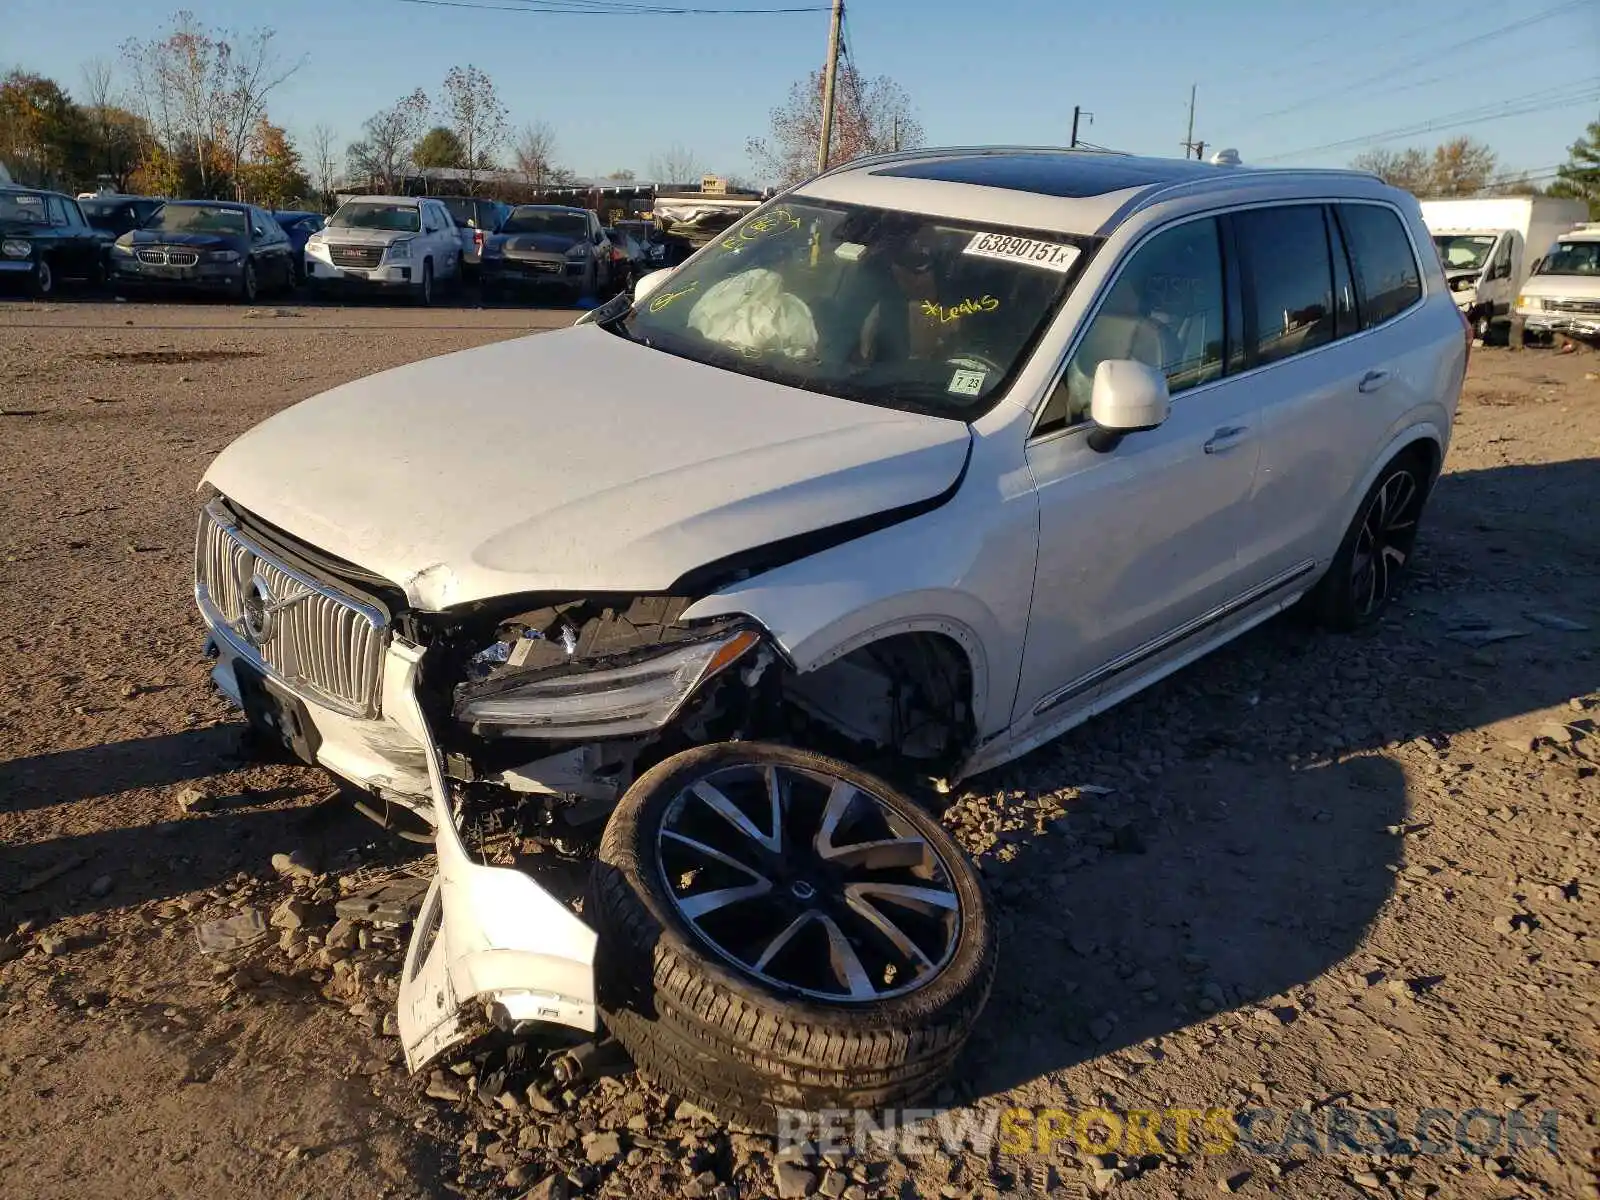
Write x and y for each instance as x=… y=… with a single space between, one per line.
x=1067 y=175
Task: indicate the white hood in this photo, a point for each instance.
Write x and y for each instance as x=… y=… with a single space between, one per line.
x=573 y=461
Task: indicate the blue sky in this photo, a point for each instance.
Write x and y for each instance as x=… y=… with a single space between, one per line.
x=1275 y=80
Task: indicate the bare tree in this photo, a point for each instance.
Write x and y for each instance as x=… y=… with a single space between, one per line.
x=871 y=116
x=180 y=79
x=676 y=164
x=1459 y=167
x=253 y=71
x=384 y=151
x=533 y=150
x=324 y=162
x=472 y=110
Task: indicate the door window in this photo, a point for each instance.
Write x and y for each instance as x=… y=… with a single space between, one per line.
x=1385 y=265
x=58 y=212
x=1288 y=281
x=1165 y=310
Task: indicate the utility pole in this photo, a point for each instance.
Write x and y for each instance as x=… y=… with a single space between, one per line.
x=1076 y=113
x=897 y=133
x=830 y=76
x=1188 y=138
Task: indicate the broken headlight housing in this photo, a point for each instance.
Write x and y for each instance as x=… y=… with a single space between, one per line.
x=609 y=699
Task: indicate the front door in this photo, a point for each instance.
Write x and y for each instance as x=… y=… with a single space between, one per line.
x=1137 y=546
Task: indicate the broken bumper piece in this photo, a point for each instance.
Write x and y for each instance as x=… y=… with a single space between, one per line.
x=489 y=935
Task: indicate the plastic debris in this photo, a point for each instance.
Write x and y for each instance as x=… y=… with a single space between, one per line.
x=242 y=929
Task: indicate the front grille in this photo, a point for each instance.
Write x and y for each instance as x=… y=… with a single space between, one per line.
x=1573 y=306
x=169 y=258
x=356 y=256
x=318 y=642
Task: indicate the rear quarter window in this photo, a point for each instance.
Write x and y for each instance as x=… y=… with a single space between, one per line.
x=1385 y=265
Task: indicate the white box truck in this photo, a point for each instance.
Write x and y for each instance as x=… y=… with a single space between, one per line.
x=1488 y=246
x=1563 y=293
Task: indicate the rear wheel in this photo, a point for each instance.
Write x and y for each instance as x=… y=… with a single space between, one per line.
x=781 y=930
x=1366 y=571
x=43 y=281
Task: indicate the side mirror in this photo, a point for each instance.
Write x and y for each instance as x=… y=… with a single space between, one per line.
x=1129 y=397
x=648 y=284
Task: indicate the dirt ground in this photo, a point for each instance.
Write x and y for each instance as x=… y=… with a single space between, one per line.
x=1310 y=873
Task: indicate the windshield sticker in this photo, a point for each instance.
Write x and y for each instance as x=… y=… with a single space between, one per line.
x=1052 y=256
x=967 y=383
x=954 y=312
x=657 y=303
x=779 y=220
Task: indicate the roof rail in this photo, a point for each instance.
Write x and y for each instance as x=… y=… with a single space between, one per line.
x=873 y=160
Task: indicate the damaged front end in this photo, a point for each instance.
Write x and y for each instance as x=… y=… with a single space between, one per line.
x=598 y=688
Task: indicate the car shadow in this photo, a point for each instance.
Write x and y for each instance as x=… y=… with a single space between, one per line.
x=1232 y=833
x=112 y=767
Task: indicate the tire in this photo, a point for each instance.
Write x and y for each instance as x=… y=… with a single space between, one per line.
x=1348 y=597
x=249 y=285
x=1483 y=326
x=424 y=293
x=744 y=1044
x=43 y=280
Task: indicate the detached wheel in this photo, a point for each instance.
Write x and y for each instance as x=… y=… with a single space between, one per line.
x=1365 y=572
x=780 y=930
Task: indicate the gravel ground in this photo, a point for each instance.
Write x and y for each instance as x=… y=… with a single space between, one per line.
x=1310 y=873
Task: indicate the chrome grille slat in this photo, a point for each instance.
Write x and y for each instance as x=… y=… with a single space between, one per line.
x=327 y=645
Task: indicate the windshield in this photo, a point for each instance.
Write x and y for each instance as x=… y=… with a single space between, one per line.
x=535 y=220
x=1571 y=258
x=1464 y=251
x=364 y=214
x=197 y=218
x=27 y=207
x=917 y=313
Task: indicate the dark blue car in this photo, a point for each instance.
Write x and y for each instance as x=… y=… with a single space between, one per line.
x=299 y=226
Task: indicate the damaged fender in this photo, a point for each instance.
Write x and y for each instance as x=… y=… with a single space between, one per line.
x=486 y=934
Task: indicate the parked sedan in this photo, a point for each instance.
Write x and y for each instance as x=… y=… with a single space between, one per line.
x=298 y=227
x=205 y=246
x=548 y=246
x=44 y=239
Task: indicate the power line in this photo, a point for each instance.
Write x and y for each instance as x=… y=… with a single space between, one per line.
x=1544 y=101
x=1434 y=55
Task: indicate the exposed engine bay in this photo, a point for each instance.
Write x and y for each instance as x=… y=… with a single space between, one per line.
x=553 y=711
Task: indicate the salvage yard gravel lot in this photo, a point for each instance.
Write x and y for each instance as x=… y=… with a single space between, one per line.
x=1310 y=872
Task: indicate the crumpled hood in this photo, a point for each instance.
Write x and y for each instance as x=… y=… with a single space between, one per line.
x=573 y=461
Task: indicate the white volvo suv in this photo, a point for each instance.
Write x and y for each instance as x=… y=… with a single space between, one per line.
x=924 y=462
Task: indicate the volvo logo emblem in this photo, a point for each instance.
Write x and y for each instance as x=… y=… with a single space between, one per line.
x=259 y=609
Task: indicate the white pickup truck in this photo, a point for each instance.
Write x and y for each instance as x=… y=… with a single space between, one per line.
x=1488 y=247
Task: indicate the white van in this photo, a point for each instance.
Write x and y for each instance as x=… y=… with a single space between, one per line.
x=1487 y=247
x=1563 y=293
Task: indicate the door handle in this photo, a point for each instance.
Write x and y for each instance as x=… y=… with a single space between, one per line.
x=1226 y=438
x=1372 y=381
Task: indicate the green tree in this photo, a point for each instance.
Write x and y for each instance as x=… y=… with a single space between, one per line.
x=439 y=147
x=1579 y=176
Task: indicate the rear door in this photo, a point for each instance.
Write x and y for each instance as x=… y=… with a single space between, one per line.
x=1330 y=294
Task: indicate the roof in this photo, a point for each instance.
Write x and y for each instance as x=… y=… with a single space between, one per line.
x=413 y=201
x=1069 y=191
x=560 y=208
x=239 y=204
